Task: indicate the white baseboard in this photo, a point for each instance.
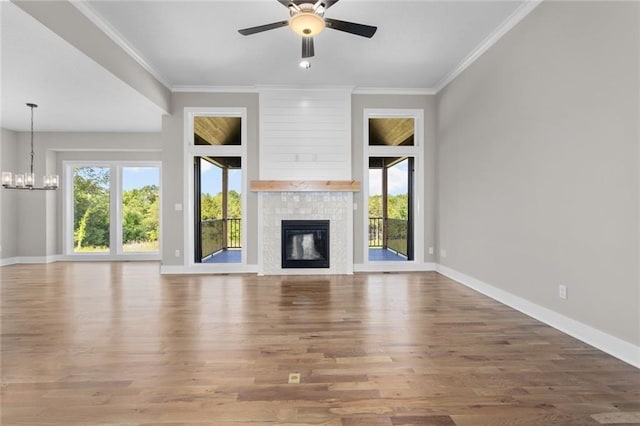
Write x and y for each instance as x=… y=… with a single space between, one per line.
x=8 y=261
x=394 y=266
x=28 y=259
x=218 y=268
x=76 y=258
x=612 y=345
x=109 y=258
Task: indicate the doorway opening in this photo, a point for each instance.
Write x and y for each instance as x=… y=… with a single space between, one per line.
x=391 y=209
x=218 y=209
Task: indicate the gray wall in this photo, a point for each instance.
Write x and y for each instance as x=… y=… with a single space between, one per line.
x=8 y=199
x=538 y=164
x=172 y=172
x=427 y=103
x=26 y=233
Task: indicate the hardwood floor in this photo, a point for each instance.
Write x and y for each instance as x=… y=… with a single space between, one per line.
x=118 y=344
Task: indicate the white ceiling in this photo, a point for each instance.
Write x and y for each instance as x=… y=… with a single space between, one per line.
x=418 y=47
x=73 y=92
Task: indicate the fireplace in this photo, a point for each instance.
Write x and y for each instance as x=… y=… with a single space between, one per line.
x=305 y=244
x=335 y=207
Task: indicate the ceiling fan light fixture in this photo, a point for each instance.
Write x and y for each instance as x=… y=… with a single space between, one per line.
x=305 y=65
x=306 y=24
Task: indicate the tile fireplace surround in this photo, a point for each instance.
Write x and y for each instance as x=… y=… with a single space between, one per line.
x=336 y=206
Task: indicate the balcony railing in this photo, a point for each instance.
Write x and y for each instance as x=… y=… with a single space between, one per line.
x=212 y=234
x=375 y=232
x=234 y=228
x=396 y=234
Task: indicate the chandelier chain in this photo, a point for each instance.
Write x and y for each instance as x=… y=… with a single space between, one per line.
x=32 y=106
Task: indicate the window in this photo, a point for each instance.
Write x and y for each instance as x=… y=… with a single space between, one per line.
x=391 y=131
x=91 y=218
x=217 y=131
x=112 y=208
x=140 y=207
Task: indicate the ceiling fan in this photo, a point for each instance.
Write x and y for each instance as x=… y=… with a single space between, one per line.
x=307 y=19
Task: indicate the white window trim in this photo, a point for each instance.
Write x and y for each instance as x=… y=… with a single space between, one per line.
x=115 y=211
x=190 y=151
x=417 y=152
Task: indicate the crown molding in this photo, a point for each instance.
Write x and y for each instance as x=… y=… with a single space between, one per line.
x=214 y=89
x=527 y=7
x=393 y=91
x=263 y=88
x=93 y=16
x=252 y=89
x=294 y=87
x=517 y=16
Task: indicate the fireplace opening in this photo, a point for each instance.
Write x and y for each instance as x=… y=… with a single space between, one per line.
x=305 y=244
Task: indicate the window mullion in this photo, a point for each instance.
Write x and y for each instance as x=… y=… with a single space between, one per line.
x=116 y=209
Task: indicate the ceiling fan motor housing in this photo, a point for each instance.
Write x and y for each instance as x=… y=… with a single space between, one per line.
x=306 y=21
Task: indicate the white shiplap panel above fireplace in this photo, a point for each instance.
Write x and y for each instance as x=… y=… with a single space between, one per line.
x=305 y=134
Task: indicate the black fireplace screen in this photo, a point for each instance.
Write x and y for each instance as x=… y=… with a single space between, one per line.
x=305 y=243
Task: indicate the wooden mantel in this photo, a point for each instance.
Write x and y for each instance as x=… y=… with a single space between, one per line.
x=305 y=186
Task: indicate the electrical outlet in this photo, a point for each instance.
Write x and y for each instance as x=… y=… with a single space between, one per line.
x=177 y=253
x=562 y=291
x=443 y=253
x=430 y=250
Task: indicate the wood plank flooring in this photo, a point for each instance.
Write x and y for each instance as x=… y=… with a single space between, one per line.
x=119 y=344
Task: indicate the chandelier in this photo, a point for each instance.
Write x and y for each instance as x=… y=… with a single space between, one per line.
x=28 y=180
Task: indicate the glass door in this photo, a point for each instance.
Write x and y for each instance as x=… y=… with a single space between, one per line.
x=218 y=209
x=91 y=209
x=140 y=207
x=113 y=209
x=391 y=208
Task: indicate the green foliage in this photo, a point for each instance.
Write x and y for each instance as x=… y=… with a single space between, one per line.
x=397 y=206
x=140 y=211
x=375 y=206
x=91 y=207
x=397 y=215
x=211 y=206
x=397 y=238
x=210 y=210
x=140 y=214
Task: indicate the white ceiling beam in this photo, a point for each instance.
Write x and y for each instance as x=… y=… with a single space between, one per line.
x=68 y=22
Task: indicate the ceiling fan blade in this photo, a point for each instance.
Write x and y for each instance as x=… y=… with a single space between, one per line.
x=351 y=27
x=261 y=28
x=307 y=47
